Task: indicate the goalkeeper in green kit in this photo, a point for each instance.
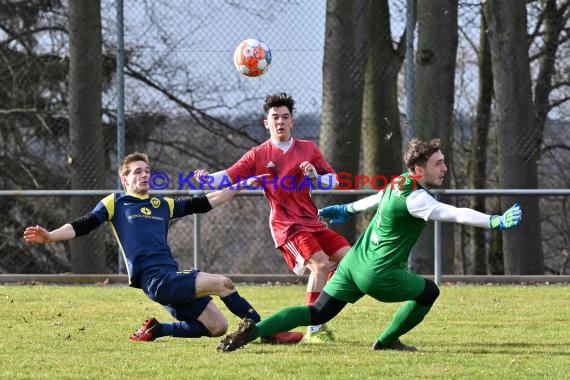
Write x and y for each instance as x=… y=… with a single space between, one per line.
x=377 y=264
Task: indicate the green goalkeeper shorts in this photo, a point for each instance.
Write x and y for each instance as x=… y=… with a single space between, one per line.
x=393 y=285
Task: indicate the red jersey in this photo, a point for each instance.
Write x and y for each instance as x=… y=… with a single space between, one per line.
x=286 y=188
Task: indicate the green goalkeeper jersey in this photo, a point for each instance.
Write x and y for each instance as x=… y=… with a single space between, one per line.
x=392 y=233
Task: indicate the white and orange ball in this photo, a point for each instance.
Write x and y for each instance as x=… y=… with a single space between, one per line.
x=252 y=58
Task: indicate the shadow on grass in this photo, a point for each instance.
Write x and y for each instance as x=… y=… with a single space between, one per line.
x=485 y=348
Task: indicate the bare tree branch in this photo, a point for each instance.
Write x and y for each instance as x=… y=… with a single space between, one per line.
x=558 y=102
x=197 y=114
x=17 y=110
x=29 y=32
x=555 y=146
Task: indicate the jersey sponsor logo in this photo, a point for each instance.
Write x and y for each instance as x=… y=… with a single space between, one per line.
x=145 y=217
x=155 y=202
x=270 y=164
x=146 y=211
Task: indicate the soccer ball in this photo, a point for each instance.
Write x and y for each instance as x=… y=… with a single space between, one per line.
x=252 y=58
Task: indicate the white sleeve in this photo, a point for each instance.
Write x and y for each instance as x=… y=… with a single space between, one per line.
x=422 y=205
x=217 y=178
x=368 y=202
x=327 y=181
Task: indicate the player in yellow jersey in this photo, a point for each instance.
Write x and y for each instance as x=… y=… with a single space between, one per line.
x=140 y=223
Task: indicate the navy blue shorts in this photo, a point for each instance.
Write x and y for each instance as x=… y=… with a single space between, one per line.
x=175 y=291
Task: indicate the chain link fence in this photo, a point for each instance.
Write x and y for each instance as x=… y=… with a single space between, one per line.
x=188 y=108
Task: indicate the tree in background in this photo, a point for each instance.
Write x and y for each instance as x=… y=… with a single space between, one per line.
x=342 y=91
x=381 y=129
x=33 y=129
x=434 y=101
x=187 y=114
x=87 y=155
x=479 y=146
x=519 y=135
x=549 y=47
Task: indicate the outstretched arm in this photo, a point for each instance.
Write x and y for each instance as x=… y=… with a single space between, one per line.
x=447 y=213
x=367 y=203
x=219 y=197
x=39 y=235
x=78 y=227
x=342 y=213
x=213 y=180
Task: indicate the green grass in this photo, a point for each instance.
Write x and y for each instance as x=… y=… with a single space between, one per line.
x=473 y=332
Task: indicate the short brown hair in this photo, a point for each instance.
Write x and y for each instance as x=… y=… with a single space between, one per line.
x=136 y=156
x=419 y=152
x=278 y=100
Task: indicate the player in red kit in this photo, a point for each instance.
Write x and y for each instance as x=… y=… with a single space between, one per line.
x=291 y=165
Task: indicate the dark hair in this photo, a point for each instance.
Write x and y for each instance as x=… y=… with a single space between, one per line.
x=136 y=156
x=278 y=100
x=419 y=152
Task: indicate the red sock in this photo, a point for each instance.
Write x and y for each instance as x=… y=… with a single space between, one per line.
x=311 y=297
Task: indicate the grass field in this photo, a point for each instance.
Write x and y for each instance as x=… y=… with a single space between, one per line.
x=473 y=332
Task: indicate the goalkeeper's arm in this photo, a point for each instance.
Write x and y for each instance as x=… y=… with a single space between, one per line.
x=447 y=213
x=367 y=203
x=342 y=213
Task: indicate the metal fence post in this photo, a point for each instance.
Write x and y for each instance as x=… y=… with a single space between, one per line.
x=437 y=239
x=120 y=104
x=437 y=252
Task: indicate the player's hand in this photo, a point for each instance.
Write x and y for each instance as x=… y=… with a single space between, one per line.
x=511 y=218
x=36 y=235
x=337 y=213
x=202 y=176
x=308 y=169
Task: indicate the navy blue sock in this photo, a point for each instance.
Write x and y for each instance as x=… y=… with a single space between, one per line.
x=240 y=307
x=184 y=329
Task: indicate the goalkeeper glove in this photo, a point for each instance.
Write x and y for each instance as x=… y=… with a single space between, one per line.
x=511 y=218
x=337 y=213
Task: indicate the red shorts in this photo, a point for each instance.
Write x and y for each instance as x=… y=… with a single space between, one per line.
x=301 y=246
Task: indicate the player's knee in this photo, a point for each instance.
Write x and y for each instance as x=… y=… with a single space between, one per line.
x=338 y=256
x=227 y=284
x=218 y=328
x=429 y=295
x=332 y=266
x=321 y=267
